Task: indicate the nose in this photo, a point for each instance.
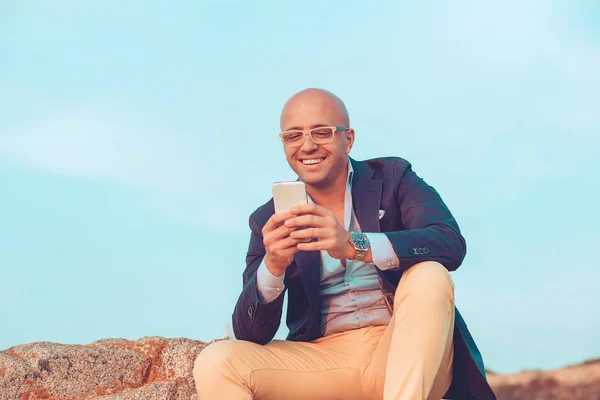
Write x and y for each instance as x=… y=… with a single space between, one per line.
x=308 y=146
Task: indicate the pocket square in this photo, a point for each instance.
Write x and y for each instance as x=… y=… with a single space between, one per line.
x=381 y=213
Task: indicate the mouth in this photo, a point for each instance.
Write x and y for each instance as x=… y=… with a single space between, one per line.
x=312 y=161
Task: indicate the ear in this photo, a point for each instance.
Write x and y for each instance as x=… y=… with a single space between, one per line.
x=349 y=140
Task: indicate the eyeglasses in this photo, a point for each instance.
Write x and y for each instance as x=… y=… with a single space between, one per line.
x=320 y=135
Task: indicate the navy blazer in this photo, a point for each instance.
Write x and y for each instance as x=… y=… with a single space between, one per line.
x=420 y=228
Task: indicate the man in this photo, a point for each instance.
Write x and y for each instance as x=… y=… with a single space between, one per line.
x=370 y=300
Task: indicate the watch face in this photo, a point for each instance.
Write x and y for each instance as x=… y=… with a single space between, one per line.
x=360 y=240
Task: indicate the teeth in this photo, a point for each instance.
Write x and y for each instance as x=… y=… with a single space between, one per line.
x=313 y=161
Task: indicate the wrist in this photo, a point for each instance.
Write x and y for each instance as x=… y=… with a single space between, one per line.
x=360 y=245
x=350 y=252
x=273 y=268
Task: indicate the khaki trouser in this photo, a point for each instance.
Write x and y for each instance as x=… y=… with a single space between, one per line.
x=410 y=359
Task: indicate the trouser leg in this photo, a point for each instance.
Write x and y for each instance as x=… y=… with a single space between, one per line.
x=326 y=369
x=413 y=358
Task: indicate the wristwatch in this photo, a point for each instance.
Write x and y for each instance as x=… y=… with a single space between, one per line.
x=361 y=246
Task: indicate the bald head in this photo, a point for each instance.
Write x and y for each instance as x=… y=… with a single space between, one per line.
x=313 y=107
x=321 y=165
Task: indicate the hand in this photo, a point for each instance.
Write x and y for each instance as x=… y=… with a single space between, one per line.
x=316 y=222
x=279 y=245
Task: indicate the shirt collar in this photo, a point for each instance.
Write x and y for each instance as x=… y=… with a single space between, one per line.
x=350 y=175
x=348 y=182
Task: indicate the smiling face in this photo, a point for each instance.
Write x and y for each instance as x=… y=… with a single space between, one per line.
x=318 y=165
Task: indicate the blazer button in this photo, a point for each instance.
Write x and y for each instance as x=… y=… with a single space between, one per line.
x=250 y=311
x=413 y=251
x=426 y=250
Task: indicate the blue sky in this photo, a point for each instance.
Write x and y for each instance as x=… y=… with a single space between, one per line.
x=136 y=137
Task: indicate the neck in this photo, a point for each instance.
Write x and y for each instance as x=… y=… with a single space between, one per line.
x=329 y=193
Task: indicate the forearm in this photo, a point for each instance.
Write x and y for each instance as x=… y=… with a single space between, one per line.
x=381 y=252
x=428 y=232
x=269 y=286
x=441 y=243
x=253 y=320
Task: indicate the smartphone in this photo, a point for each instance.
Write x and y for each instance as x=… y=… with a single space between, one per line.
x=289 y=194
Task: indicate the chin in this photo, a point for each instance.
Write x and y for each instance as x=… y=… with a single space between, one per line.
x=316 y=180
x=313 y=178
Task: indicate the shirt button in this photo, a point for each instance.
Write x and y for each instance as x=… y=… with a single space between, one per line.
x=250 y=311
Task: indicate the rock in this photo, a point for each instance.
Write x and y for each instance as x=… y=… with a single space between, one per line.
x=151 y=368
x=578 y=382
x=155 y=391
x=157 y=368
x=15 y=374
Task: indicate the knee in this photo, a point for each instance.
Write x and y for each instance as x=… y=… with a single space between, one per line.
x=428 y=279
x=221 y=366
x=210 y=359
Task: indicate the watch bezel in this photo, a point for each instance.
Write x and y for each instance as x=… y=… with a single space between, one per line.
x=361 y=249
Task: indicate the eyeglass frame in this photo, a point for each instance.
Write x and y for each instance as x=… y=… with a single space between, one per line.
x=309 y=134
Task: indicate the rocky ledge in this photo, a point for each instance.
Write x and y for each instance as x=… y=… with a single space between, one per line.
x=577 y=382
x=151 y=368
x=156 y=368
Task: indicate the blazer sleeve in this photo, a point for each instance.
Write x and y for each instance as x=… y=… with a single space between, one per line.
x=253 y=320
x=430 y=232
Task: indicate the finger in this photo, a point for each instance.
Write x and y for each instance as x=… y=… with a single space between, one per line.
x=290 y=251
x=306 y=220
x=313 y=233
x=285 y=243
x=279 y=233
x=314 y=246
x=283 y=246
x=310 y=208
x=279 y=239
x=276 y=220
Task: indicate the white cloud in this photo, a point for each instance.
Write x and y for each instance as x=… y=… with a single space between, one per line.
x=502 y=93
x=95 y=144
x=198 y=179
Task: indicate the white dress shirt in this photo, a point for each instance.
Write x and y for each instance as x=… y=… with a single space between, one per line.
x=350 y=297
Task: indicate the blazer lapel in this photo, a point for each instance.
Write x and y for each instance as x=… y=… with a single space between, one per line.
x=309 y=265
x=366 y=199
x=366 y=196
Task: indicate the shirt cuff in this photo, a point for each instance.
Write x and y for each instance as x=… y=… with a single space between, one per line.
x=382 y=251
x=269 y=285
